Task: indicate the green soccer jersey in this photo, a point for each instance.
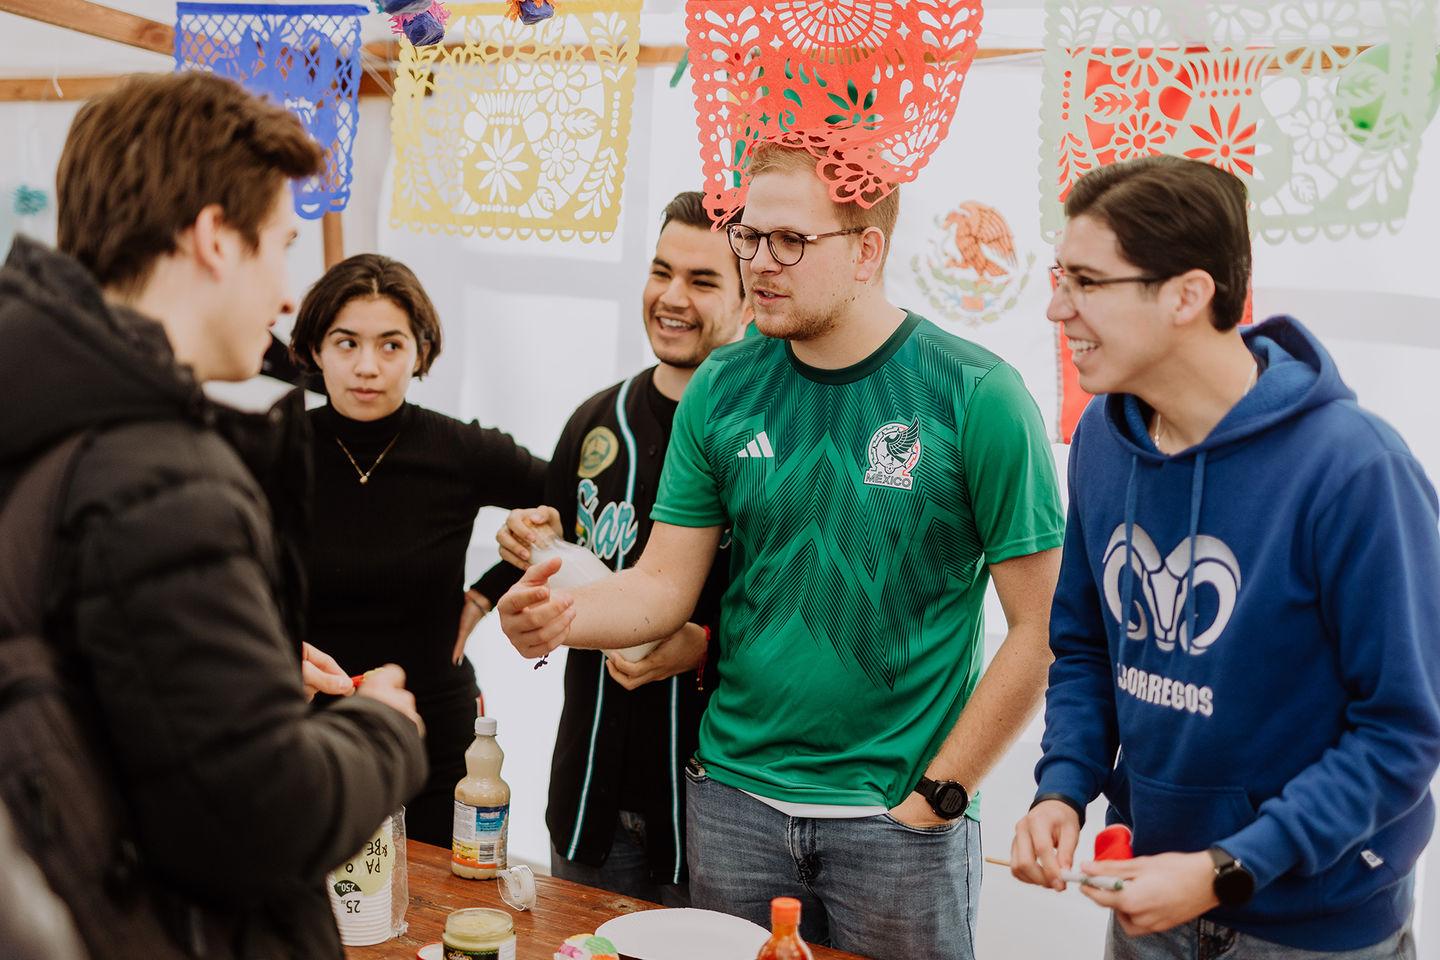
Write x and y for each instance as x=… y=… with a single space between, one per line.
x=864 y=504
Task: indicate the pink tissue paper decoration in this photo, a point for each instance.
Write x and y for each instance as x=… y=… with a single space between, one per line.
x=868 y=87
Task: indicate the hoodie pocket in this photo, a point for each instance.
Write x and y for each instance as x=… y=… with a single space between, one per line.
x=1167 y=817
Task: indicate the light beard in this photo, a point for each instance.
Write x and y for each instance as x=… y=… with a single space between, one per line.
x=676 y=356
x=793 y=323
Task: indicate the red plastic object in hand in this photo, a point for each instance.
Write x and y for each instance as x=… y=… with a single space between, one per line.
x=1113 y=843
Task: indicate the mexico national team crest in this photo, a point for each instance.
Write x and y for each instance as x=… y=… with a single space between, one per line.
x=894 y=450
x=972 y=272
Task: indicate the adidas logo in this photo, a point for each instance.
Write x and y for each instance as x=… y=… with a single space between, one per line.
x=759 y=447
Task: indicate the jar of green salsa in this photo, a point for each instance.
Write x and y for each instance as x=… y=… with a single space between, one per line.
x=479 y=933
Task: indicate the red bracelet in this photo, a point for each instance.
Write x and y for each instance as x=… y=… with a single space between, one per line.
x=700 y=673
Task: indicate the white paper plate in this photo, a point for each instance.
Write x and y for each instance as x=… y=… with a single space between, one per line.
x=683 y=934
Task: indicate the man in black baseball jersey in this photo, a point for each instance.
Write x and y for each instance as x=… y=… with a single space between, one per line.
x=617 y=791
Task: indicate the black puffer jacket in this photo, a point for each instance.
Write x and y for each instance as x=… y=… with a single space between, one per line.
x=168 y=603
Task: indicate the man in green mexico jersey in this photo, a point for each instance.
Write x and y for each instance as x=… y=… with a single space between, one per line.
x=876 y=474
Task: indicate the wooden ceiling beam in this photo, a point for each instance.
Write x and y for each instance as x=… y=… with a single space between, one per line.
x=44 y=89
x=78 y=88
x=39 y=89
x=107 y=23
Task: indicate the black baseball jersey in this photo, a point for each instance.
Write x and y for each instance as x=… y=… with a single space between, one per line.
x=618 y=749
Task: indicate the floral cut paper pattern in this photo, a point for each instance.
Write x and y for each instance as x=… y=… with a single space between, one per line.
x=306 y=58
x=869 y=87
x=1317 y=106
x=517 y=130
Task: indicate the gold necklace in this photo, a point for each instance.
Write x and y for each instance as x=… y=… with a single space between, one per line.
x=365 y=474
x=1160 y=424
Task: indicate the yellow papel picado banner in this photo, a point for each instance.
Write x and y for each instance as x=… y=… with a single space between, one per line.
x=513 y=129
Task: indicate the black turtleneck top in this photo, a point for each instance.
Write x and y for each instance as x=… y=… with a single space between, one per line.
x=387 y=559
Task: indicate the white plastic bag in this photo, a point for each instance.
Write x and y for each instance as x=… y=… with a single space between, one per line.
x=578 y=566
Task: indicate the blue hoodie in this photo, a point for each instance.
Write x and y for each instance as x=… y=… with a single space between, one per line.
x=1278 y=693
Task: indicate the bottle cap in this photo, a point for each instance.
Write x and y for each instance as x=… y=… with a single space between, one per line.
x=484 y=726
x=784 y=910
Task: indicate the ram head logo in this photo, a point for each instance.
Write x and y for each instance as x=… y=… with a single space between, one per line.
x=1163 y=585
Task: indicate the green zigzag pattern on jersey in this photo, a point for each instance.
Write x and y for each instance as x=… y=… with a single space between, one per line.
x=855 y=601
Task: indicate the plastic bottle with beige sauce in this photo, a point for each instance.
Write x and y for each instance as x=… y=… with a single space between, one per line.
x=482 y=809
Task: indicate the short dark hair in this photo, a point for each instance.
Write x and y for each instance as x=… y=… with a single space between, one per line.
x=769 y=155
x=364 y=276
x=1170 y=215
x=143 y=159
x=688 y=208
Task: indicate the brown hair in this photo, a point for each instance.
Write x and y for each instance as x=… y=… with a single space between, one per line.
x=768 y=156
x=364 y=276
x=142 y=160
x=1170 y=215
x=688 y=208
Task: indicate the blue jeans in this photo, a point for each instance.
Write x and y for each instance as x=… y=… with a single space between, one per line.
x=871 y=886
x=1203 y=940
x=626 y=869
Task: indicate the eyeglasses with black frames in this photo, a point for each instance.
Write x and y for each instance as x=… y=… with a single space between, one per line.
x=1077 y=287
x=786 y=246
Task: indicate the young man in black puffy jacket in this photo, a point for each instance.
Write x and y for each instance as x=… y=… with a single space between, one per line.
x=168 y=602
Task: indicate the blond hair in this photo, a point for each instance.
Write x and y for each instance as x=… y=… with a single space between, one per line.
x=771 y=157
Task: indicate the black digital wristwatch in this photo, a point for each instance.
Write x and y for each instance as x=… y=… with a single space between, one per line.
x=947 y=798
x=1234 y=885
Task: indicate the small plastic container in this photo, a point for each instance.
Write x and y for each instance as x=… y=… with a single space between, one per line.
x=479 y=933
x=517 y=886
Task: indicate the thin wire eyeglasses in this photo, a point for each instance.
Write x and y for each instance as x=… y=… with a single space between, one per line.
x=786 y=246
x=1076 y=287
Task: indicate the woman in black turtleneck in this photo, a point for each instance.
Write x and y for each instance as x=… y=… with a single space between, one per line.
x=397 y=488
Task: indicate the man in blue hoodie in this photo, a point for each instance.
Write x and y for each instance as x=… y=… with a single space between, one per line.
x=1247 y=626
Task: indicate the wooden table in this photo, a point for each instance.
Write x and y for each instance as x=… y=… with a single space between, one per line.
x=562 y=909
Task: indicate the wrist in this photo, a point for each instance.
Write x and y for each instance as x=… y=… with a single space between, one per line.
x=1070 y=802
x=948 y=798
x=1233 y=884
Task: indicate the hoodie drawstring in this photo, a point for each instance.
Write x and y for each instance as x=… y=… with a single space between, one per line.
x=1197 y=493
x=1127 y=589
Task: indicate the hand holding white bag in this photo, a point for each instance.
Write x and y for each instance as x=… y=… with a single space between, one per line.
x=578 y=566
